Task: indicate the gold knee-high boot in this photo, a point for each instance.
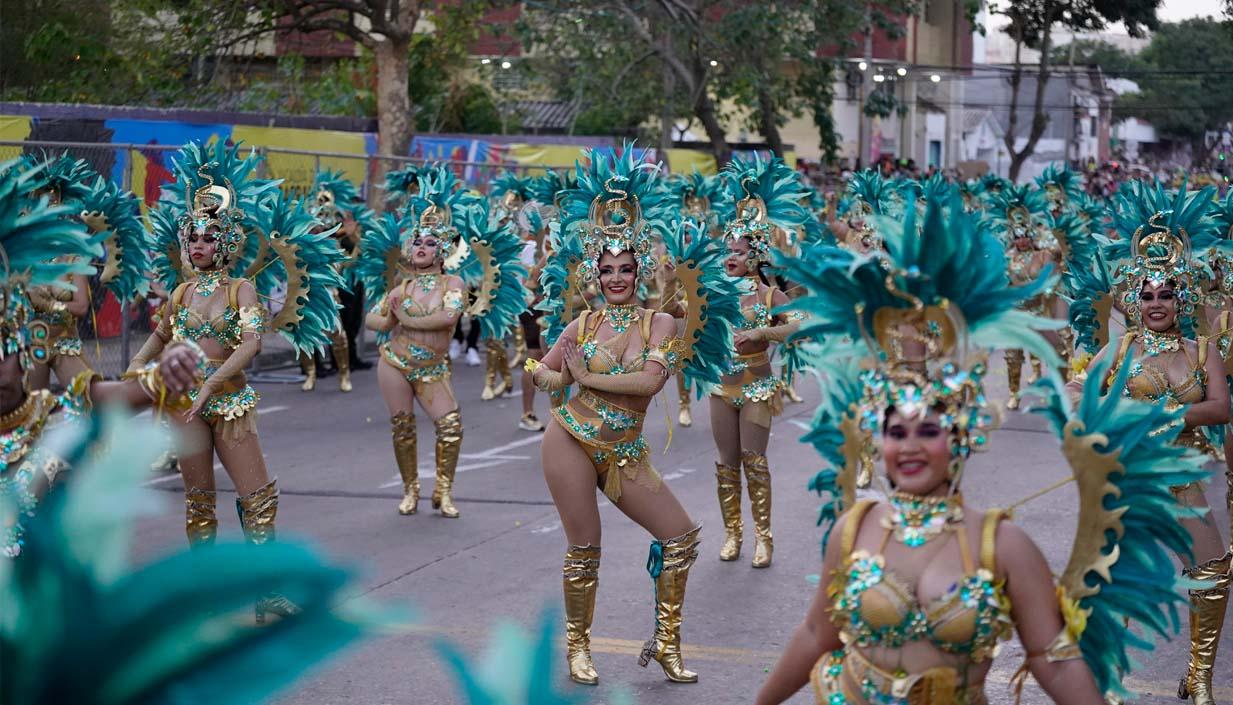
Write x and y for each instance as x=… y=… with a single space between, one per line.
x=758 y=479
x=1207 y=610
x=580 y=576
x=728 y=480
x=496 y=365
x=258 y=511
x=1065 y=349
x=669 y=565
x=449 y=443
x=342 y=359
x=200 y=521
x=403 y=430
x=520 y=347
x=686 y=417
x=1014 y=372
x=308 y=365
x=503 y=366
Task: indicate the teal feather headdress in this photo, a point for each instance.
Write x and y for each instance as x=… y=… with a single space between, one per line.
x=1124 y=460
x=115 y=216
x=550 y=187
x=616 y=207
x=1016 y=211
x=70 y=179
x=402 y=184
x=438 y=207
x=171 y=630
x=306 y=260
x=335 y=199
x=941 y=295
x=1159 y=236
x=696 y=196
x=40 y=246
x=761 y=195
x=1062 y=186
x=496 y=249
x=214 y=187
x=1089 y=281
x=870 y=194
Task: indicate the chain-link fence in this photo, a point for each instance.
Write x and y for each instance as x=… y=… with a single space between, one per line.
x=113 y=331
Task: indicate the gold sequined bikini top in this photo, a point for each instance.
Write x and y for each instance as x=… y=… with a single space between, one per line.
x=605 y=357
x=227 y=328
x=758 y=314
x=1148 y=382
x=875 y=607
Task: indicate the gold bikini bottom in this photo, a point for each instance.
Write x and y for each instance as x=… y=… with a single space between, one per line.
x=745 y=386
x=611 y=435
x=846 y=676
x=230 y=410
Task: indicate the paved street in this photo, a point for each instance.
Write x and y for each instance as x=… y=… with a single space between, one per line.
x=502 y=559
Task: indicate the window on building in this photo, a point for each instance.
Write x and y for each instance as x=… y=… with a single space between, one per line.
x=935 y=153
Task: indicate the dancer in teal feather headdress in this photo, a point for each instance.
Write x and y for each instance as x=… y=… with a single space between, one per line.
x=340 y=211
x=868 y=195
x=63 y=181
x=620 y=356
x=415 y=263
x=765 y=202
x=1062 y=188
x=1162 y=287
x=920 y=321
x=223 y=240
x=40 y=246
x=510 y=205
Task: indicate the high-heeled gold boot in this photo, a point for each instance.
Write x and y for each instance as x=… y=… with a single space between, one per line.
x=1065 y=349
x=1014 y=371
x=520 y=347
x=669 y=566
x=580 y=576
x=403 y=431
x=728 y=480
x=758 y=479
x=686 y=417
x=503 y=366
x=200 y=521
x=258 y=511
x=490 y=373
x=1207 y=610
x=1036 y=371
x=342 y=359
x=308 y=365
x=449 y=443
x=789 y=391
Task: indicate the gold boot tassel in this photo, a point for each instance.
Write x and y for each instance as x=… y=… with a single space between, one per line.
x=403 y=429
x=258 y=511
x=758 y=478
x=1014 y=371
x=728 y=480
x=1207 y=609
x=308 y=365
x=686 y=417
x=342 y=359
x=669 y=565
x=200 y=521
x=581 y=579
x=449 y=443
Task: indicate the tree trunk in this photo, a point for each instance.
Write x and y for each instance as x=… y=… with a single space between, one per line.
x=666 y=110
x=705 y=110
x=394 y=125
x=767 y=117
x=1040 y=118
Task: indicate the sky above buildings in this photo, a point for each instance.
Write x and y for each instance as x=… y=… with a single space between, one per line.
x=1174 y=10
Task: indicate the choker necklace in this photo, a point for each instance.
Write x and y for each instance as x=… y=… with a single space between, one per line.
x=427 y=281
x=620 y=316
x=913 y=519
x=1157 y=343
x=208 y=281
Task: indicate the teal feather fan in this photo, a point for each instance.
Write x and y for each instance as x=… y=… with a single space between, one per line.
x=71 y=178
x=125 y=260
x=1122 y=454
x=172 y=630
x=509 y=182
x=1071 y=232
x=551 y=186
x=380 y=246
x=501 y=296
x=1088 y=281
x=307 y=262
x=554 y=282
x=400 y=183
x=711 y=348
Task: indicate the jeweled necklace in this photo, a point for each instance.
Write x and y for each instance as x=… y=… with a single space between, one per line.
x=913 y=519
x=620 y=316
x=208 y=281
x=1159 y=343
x=427 y=281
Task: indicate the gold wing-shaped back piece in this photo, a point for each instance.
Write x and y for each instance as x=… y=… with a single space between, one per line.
x=488 y=284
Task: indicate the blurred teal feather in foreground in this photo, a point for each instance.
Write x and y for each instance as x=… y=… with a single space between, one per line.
x=176 y=630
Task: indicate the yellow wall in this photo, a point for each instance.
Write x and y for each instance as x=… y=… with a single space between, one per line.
x=298 y=171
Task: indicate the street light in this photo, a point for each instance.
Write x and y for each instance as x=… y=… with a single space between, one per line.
x=485 y=61
x=879 y=78
x=714 y=63
x=935 y=78
x=506 y=64
x=901 y=71
x=862 y=65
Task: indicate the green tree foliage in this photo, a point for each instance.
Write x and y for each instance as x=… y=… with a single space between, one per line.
x=340 y=88
x=1185 y=88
